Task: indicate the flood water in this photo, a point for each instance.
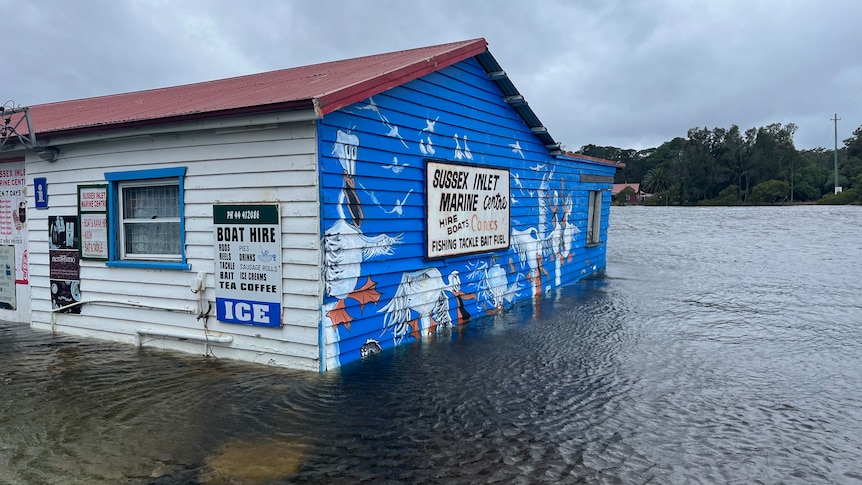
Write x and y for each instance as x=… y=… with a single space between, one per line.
x=723 y=345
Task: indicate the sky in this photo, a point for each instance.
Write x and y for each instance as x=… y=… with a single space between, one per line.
x=624 y=73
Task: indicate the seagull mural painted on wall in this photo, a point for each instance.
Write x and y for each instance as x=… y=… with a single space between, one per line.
x=516 y=148
x=399 y=204
x=459 y=154
x=395 y=167
x=426 y=145
x=429 y=125
x=393 y=129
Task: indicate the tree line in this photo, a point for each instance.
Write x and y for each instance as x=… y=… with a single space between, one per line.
x=726 y=166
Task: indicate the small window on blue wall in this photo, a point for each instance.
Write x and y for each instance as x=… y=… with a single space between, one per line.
x=594 y=218
x=147 y=228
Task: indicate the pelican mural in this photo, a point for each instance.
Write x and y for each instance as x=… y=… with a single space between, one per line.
x=569 y=229
x=542 y=195
x=494 y=289
x=346 y=247
x=421 y=303
x=528 y=246
x=555 y=238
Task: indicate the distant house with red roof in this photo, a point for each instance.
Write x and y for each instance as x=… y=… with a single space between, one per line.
x=305 y=217
x=636 y=198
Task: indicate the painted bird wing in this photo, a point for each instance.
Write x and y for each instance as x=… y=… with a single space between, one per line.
x=441 y=310
x=399 y=308
x=379 y=245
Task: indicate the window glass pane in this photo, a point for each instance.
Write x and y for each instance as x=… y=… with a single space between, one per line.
x=151 y=202
x=594 y=217
x=152 y=238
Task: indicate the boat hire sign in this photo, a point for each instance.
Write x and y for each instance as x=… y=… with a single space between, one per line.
x=468 y=209
x=248 y=264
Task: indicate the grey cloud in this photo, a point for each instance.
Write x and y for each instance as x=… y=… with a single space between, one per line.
x=631 y=74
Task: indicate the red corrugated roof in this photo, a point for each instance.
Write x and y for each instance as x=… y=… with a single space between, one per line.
x=595 y=159
x=328 y=87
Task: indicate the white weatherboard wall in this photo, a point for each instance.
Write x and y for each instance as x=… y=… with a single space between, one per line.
x=256 y=164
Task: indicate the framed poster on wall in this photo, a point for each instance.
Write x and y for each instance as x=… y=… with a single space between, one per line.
x=13 y=215
x=64 y=263
x=8 y=298
x=93 y=217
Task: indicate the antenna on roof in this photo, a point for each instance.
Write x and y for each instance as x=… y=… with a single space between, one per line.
x=13 y=120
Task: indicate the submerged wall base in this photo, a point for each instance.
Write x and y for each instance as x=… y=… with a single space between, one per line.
x=221 y=346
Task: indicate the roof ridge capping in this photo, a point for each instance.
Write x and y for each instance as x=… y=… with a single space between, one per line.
x=406 y=66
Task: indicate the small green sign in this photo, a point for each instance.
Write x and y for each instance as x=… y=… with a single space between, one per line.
x=245 y=214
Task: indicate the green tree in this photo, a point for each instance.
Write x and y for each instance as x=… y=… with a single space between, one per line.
x=631 y=172
x=810 y=180
x=703 y=166
x=656 y=181
x=728 y=196
x=734 y=159
x=851 y=166
x=770 y=192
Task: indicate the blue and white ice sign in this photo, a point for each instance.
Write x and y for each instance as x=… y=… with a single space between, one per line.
x=247 y=264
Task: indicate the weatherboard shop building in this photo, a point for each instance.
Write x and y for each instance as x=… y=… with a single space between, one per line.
x=305 y=217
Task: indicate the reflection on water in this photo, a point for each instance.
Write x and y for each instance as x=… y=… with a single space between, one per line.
x=722 y=346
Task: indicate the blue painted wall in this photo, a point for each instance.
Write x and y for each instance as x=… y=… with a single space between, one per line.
x=372 y=157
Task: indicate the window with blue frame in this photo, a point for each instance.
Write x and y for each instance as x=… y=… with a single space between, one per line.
x=594 y=218
x=146 y=218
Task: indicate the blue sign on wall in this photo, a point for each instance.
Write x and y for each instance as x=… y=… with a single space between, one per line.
x=263 y=313
x=40 y=187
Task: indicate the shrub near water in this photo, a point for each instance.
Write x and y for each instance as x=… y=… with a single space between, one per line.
x=849 y=196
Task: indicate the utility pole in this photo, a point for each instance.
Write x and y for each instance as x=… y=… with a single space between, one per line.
x=837 y=188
